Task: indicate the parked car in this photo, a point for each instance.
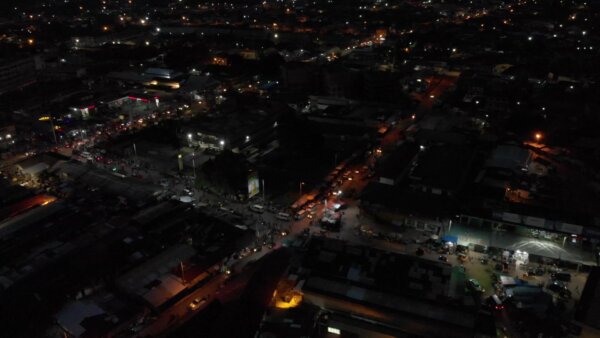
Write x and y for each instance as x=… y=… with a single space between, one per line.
x=561 y=276
x=559 y=288
x=473 y=284
x=462 y=249
x=539 y=271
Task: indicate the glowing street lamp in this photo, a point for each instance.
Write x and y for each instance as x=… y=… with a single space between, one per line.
x=538 y=136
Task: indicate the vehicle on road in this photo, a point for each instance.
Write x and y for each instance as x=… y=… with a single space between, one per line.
x=257 y=208
x=86 y=155
x=227 y=210
x=535 y=271
x=443 y=258
x=559 y=288
x=283 y=216
x=561 y=276
x=241 y=227
x=473 y=284
x=493 y=303
x=300 y=214
x=197 y=303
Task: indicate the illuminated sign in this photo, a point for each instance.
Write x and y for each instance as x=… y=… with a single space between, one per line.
x=333 y=330
x=253 y=185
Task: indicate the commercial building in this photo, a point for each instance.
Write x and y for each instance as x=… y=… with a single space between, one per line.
x=363 y=289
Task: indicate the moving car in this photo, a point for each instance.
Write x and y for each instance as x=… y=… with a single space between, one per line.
x=493 y=303
x=257 y=208
x=196 y=303
x=283 y=216
x=300 y=214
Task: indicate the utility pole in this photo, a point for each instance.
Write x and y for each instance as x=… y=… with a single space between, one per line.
x=194 y=163
x=53 y=130
x=182 y=275
x=263 y=191
x=49 y=118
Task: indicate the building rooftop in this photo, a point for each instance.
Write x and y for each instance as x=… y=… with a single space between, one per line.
x=129 y=188
x=442 y=167
x=512 y=157
x=153 y=280
x=398 y=291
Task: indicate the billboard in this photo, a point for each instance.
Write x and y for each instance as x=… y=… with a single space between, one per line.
x=253 y=185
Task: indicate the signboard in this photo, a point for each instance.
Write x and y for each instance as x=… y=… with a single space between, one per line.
x=534 y=221
x=570 y=228
x=253 y=185
x=590 y=232
x=509 y=217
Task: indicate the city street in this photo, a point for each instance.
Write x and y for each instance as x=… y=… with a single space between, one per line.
x=181 y=312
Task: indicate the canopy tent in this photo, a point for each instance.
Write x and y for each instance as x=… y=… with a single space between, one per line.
x=451 y=239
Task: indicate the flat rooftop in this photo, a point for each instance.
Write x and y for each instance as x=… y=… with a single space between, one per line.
x=442 y=166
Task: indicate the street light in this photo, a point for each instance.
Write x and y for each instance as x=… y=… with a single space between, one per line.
x=301 y=184
x=194 y=163
x=538 y=136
